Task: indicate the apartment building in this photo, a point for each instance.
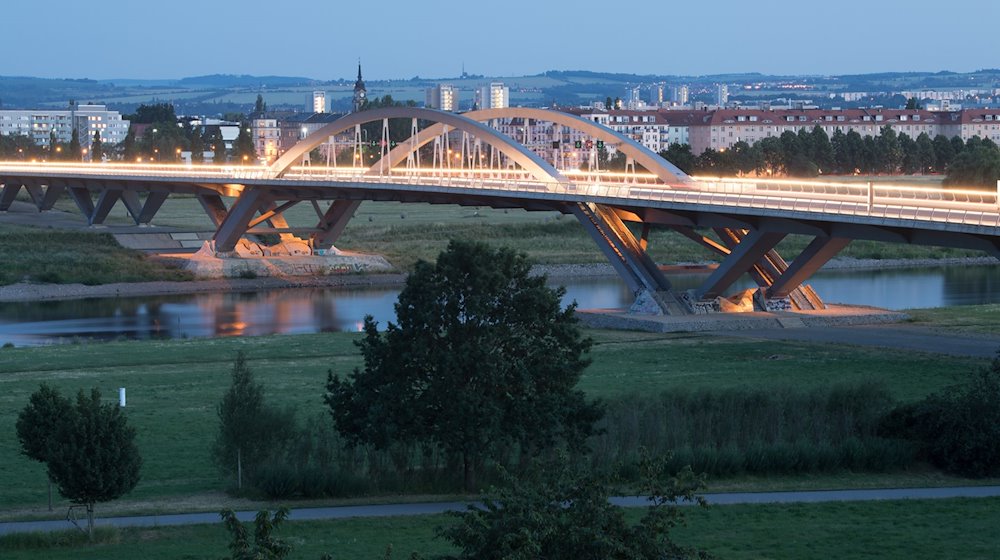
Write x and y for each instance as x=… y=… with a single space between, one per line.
x=39 y=124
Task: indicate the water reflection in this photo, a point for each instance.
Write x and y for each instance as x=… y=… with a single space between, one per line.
x=305 y=310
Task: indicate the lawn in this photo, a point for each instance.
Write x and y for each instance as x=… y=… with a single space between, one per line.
x=954 y=528
x=174 y=386
x=967 y=318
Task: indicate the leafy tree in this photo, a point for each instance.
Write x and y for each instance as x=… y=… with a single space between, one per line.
x=925 y=153
x=483 y=358
x=913 y=103
x=128 y=145
x=958 y=429
x=55 y=151
x=822 y=150
x=979 y=166
x=75 y=152
x=93 y=457
x=679 y=155
x=197 y=147
x=944 y=152
x=888 y=152
x=155 y=113
x=217 y=143
x=772 y=155
x=911 y=157
x=96 y=147
x=259 y=108
x=248 y=429
x=37 y=424
x=243 y=149
x=265 y=545
x=562 y=513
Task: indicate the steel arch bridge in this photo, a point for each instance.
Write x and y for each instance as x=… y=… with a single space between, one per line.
x=749 y=217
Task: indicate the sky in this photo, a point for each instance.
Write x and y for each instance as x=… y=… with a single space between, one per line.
x=323 y=39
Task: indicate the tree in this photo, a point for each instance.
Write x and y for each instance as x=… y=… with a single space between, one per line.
x=911 y=157
x=265 y=545
x=217 y=143
x=679 y=155
x=823 y=155
x=93 y=457
x=259 y=108
x=925 y=153
x=975 y=167
x=561 y=513
x=913 y=103
x=96 y=147
x=943 y=153
x=888 y=152
x=55 y=150
x=243 y=148
x=197 y=147
x=37 y=424
x=958 y=429
x=155 y=113
x=75 y=152
x=248 y=429
x=483 y=359
x=128 y=147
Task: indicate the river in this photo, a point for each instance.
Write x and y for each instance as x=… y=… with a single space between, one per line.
x=308 y=310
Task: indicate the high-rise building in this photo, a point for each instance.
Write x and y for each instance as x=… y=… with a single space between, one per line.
x=681 y=95
x=360 y=93
x=443 y=97
x=656 y=95
x=634 y=98
x=319 y=102
x=494 y=96
x=722 y=95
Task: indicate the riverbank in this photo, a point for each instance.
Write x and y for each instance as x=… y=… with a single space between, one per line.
x=29 y=291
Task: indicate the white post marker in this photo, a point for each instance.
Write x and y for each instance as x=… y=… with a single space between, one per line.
x=121 y=397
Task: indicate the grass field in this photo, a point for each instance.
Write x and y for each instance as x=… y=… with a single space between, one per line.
x=966 y=318
x=957 y=528
x=174 y=386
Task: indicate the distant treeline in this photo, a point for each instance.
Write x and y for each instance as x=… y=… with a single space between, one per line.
x=812 y=153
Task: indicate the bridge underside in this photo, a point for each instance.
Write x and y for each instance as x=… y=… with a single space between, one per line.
x=744 y=244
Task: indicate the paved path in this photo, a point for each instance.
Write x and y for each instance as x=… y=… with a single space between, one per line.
x=898 y=337
x=392 y=510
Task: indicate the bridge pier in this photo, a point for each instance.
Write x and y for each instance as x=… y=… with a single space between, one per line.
x=7 y=195
x=333 y=222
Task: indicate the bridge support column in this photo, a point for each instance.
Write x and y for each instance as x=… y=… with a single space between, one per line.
x=52 y=194
x=744 y=256
x=132 y=203
x=333 y=222
x=154 y=201
x=7 y=195
x=81 y=197
x=238 y=218
x=37 y=195
x=625 y=253
x=105 y=202
x=815 y=255
x=214 y=207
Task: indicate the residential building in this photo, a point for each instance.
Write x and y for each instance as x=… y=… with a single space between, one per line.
x=494 y=96
x=87 y=119
x=722 y=95
x=318 y=102
x=443 y=97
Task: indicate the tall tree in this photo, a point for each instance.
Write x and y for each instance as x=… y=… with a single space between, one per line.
x=911 y=157
x=259 y=108
x=55 y=150
x=679 y=155
x=888 y=152
x=128 y=146
x=484 y=358
x=93 y=457
x=925 y=153
x=75 y=152
x=197 y=147
x=217 y=143
x=243 y=149
x=37 y=424
x=943 y=153
x=976 y=167
x=96 y=147
x=822 y=150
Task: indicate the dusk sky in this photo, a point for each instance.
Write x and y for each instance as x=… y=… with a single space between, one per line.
x=323 y=39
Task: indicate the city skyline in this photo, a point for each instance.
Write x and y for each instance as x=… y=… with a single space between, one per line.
x=324 y=42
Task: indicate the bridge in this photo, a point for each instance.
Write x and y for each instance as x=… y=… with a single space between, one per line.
x=472 y=163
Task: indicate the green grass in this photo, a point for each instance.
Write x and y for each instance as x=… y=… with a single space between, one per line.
x=966 y=318
x=59 y=257
x=174 y=386
x=954 y=528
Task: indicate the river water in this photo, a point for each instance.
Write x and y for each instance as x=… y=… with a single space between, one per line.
x=307 y=310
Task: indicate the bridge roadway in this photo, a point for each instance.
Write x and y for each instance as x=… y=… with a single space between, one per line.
x=750 y=216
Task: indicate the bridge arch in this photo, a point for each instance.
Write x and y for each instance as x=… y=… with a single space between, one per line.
x=530 y=161
x=666 y=171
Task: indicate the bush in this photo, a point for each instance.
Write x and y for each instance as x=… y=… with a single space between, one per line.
x=957 y=430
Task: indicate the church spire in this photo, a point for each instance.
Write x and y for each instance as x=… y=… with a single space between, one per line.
x=360 y=93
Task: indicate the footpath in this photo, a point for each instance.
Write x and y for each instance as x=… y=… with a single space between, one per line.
x=432 y=508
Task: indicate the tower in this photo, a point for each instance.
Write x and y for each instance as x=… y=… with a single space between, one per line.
x=360 y=93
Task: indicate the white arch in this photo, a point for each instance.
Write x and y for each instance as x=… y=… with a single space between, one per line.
x=666 y=171
x=531 y=162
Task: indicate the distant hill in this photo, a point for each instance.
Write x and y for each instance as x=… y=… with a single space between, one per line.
x=244 y=80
